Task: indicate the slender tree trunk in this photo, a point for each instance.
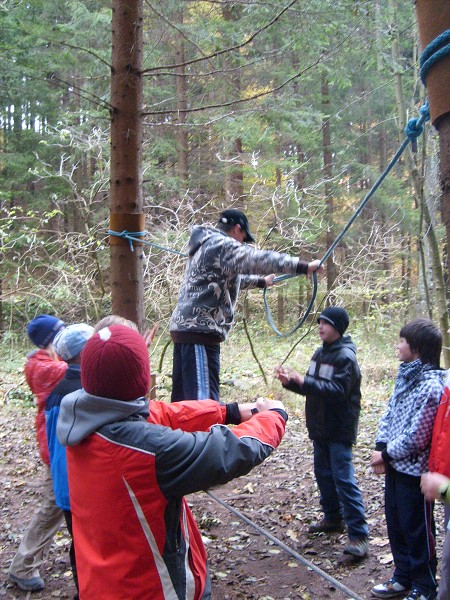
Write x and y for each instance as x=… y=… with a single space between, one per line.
x=385 y=251
x=234 y=180
x=444 y=144
x=126 y=159
x=280 y=306
x=300 y=176
x=2 y=328
x=328 y=172
x=182 y=136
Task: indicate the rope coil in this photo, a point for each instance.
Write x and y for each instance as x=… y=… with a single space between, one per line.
x=433 y=53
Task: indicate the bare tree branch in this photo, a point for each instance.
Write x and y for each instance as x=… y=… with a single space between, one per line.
x=255 y=96
x=225 y=50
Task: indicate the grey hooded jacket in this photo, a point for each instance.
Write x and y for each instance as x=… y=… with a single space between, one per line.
x=218 y=266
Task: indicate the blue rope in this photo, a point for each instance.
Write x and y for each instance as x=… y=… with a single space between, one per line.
x=134 y=236
x=433 y=53
x=413 y=130
x=131 y=236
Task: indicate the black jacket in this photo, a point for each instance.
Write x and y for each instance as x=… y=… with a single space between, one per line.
x=333 y=392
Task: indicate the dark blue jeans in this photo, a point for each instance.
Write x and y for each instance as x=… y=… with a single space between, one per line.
x=411 y=531
x=195 y=373
x=340 y=496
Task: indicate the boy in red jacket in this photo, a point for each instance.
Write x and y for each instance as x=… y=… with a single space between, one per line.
x=43 y=370
x=131 y=462
x=435 y=485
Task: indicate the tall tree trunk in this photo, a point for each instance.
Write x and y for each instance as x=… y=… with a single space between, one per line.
x=422 y=201
x=327 y=173
x=433 y=18
x=126 y=159
x=234 y=180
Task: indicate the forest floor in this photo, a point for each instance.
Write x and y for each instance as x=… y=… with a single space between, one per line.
x=280 y=496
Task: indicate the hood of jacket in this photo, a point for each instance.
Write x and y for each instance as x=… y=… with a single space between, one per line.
x=81 y=414
x=201 y=234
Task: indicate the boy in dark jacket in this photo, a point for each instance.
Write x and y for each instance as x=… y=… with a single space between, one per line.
x=332 y=387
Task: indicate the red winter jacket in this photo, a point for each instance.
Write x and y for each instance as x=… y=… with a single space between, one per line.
x=439 y=461
x=135 y=536
x=42 y=373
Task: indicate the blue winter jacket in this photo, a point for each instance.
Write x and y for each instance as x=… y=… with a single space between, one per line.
x=58 y=465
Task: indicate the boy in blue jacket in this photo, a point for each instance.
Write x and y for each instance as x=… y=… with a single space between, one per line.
x=401 y=453
x=68 y=344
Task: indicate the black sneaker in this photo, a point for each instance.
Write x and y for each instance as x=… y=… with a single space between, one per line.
x=326 y=526
x=389 y=589
x=417 y=595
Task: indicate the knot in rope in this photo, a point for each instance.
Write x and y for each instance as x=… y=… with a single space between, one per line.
x=414 y=127
x=131 y=236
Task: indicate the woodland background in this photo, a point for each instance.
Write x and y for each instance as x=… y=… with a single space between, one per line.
x=288 y=110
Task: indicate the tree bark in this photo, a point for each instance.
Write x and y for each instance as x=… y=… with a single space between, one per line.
x=422 y=201
x=126 y=159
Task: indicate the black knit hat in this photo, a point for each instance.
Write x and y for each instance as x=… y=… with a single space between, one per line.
x=337 y=317
x=236 y=217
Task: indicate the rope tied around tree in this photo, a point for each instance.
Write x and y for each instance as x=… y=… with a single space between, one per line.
x=433 y=53
x=131 y=236
x=134 y=236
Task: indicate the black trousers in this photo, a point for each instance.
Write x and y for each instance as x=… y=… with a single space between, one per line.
x=73 y=563
x=196 y=371
x=411 y=531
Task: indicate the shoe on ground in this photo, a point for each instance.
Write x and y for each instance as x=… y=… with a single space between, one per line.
x=389 y=589
x=417 y=595
x=357 y=547
x=326 y=526
x=33 y=584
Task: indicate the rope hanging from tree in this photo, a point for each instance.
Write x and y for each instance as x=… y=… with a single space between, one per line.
x=413 y=130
